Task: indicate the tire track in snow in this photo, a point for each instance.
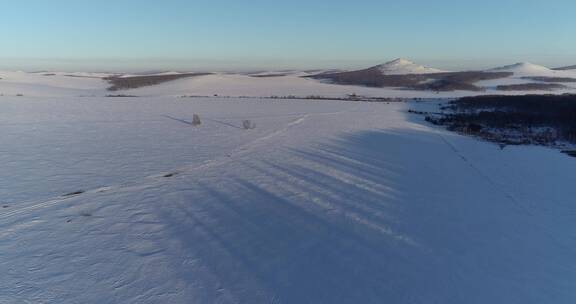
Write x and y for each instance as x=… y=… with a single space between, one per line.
x=251 y=145
x=35 y=205
x=281 y=131
x=243 y=149
x=486 y=177
x=520 y=205
x=158 y=178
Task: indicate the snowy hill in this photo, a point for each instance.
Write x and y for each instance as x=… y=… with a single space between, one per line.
x=42 y=84
x=526 y=69
x=403 y=66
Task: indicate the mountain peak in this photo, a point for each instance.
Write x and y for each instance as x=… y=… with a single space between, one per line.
x=527 y=65
x=400 y=61
x=402 y=66
x=524 y=68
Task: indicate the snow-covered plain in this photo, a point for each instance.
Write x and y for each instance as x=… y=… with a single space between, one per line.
x=324 y=202
x=55 y=84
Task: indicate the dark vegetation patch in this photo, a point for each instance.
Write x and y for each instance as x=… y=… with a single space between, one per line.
x=320 y=72
x=268 y=75
x=350 y=97
x=83 y=76
x=531 y=87
x=73 y=193
x=371 y=78
x=446 y=85
x=120 y=95
x=570 y=152
x=528 y=119
x=449 y=81
x=550 y=79
x=125 y=83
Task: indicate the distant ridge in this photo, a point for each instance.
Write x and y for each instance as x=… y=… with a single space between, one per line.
x=404 y=74
x=572 y=67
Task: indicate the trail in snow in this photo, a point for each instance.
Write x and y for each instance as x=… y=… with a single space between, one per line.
x=127 y=148
x=522 y=207
x=500 y=188
x=159 y=178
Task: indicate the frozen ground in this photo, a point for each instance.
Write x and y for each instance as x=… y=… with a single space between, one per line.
x=324 y=202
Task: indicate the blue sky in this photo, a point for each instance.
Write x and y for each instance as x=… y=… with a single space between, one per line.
x=222 y=34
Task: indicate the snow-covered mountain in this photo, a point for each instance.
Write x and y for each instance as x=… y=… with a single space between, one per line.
x=526 y=69
x=402 y=66
x=530 y=70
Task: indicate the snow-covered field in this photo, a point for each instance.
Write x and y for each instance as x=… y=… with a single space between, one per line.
x=55 y=84
x=323 y=202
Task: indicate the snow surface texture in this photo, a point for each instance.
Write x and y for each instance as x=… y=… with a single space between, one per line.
x=324 y=202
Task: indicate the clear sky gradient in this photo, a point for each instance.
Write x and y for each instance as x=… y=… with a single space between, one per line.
x=253 y=34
